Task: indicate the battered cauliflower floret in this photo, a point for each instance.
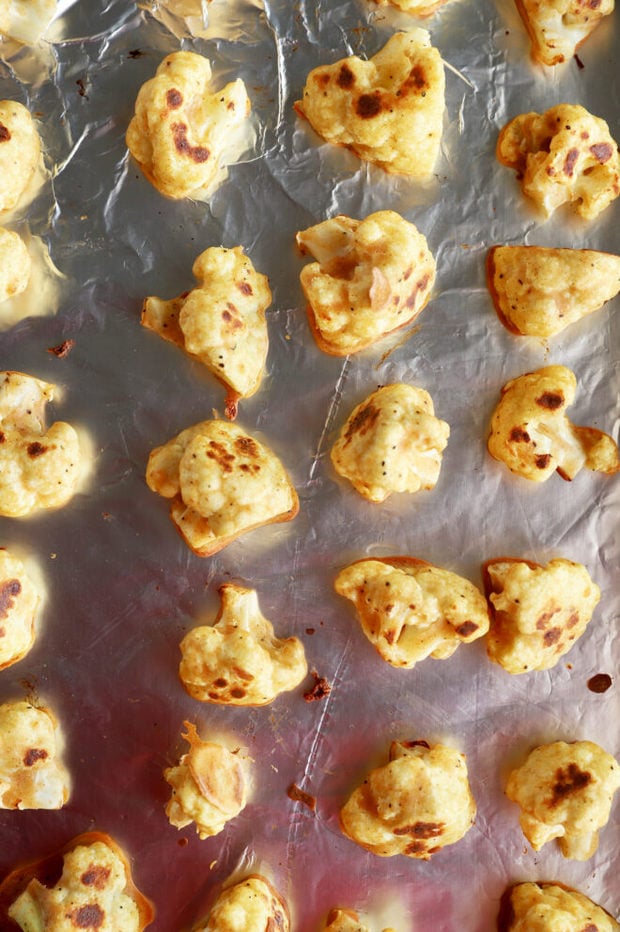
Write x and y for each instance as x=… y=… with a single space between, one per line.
x=20 y=151
x=19 y=601
x=531 y=434
x=539 y=292
x=26 y=20
x=371 y=277
x=410 y=610
x=415 y=805
x=208 y=786
x=183 y=130
x=222 y=483
x=95 y=891
x=551 y=907
x=538 y=612
x=345 y=920
x=221 y=322
x=39 y=468
x=420 y=8
x=392 y=442
x=558 y=27
x=247 y=906
x=388 y=110
x=238 y=660
x=565 y=791
x=15 y=265
x=32 y=774
x=563 y=156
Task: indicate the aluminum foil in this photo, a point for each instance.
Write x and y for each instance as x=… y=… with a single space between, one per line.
x=122 y=587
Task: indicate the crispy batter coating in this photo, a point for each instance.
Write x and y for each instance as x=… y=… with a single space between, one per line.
x=15 y=265
x=345 y=920
x=565 y=791
x=20 y=151
x=19 y=601
x=26 y=20
x=39 y=468
x=247 y=906
x=221 y=321
x=95 y=891
x=539 y=292
x=551 y=907
x=415 y=805
x=208 y=786
x=222 y=483
x=563 y=156
x=558 y=27
x=531 y=434
x=388 y=110
x=182 y=128
x=538 y=612
x=32 y=774
x=371 y=277
x=410 y=610
x=238 y=660
x=392 y=442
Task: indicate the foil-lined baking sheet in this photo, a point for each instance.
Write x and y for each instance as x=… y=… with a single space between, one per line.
x=123 y=588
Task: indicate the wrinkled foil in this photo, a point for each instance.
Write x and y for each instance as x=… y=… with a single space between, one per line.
x=122 y=588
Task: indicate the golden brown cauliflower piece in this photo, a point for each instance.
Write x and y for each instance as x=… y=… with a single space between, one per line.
x=95 y=891
x=551 y=907
x=558 y=27
x=222 y=483
x=531 y=434
x=388 y=110
x=221 y=322
x=39 y=468
x=415 y=805
x=208 y=786
x=538 y=612
x=238 y=660
x=182 y=130
x=345 y=920
x=539 y=292
x=26 y=20
x=371 y=277
x=15 y=265
x=20 y=151
x=32 y=774
x=419 y=8
x=392 y=442
x=410 y=610
x=247 y=906
x=19 y=601
x=565 y=791
x=565 y=155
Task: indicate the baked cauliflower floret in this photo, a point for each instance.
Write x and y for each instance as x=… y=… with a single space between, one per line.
x=419 y=8
x=19 y=601
x=392 y=442
x=538 y=612
x=15 y=265
x=551 y=907
x=39 y=468
x=20 y=151
x=183 y=130
x=371 y=277
x=410 y=610
x=26 y=20
x=531 y=434
x=539 y=292
x=238 y=660
x=565 y=791
x=345 y=920
x=95 y=891
x=415 y=805
x=247 y=906
x=563 y=156
x=32 y=774
x=208 y=786
x=222 y=483
x=221 y=321
x=388 y=110
x=558 y=27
